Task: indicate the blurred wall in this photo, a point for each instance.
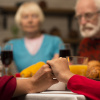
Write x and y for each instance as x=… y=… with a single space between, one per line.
x=60 y=22
x=51 y=3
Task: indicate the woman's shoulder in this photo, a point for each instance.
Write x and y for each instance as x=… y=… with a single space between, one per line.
x=14 y=41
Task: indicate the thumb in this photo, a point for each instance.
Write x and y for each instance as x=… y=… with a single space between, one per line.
x=49 y=62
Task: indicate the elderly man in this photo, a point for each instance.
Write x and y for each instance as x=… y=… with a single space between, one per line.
x=88 y=15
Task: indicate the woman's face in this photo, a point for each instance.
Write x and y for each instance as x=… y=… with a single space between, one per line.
x=30 y=24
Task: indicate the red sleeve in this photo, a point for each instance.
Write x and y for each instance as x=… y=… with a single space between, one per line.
x=7 y=87
x=85 y=86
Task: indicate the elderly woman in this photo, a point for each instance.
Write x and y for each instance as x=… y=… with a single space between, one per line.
x=35 y=46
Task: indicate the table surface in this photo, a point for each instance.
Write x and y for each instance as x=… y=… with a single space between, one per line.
x=53 y=95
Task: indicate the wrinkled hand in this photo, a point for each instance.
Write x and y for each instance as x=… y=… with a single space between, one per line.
x=60 y=69
x=43 y=79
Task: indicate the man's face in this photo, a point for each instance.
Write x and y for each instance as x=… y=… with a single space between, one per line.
x=88 y=19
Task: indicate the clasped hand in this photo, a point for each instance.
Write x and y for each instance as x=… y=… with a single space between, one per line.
x=43 y=79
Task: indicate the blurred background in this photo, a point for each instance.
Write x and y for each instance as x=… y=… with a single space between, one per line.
x=59 y=20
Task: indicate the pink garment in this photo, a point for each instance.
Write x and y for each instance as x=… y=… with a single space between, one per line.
x=33 y=45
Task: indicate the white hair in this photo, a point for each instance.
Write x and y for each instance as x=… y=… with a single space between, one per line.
x=97 y=2
x=29 y=7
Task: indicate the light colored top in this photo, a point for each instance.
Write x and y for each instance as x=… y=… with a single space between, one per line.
x=33 y=45
x=23 y=58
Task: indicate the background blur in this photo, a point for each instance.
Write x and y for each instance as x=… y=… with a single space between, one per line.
x=59 y=20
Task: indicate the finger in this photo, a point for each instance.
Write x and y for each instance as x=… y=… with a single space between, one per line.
x=45 y=66
x=48 y=71
x=49 y=62
x=64 y=59
x=49 y=66
x=52 y=72
x=54 y=81
x=52 y=76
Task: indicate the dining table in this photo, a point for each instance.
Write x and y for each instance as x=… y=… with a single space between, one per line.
x=53 y=95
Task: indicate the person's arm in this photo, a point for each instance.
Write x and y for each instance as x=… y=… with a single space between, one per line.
x=41 y=81
x=7 y=87
x=60 y=69
x=75 y=83
x=82 y=85
x=11 y=87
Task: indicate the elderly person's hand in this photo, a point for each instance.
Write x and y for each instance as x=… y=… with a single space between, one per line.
x=60 y=69
x=41 y=81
